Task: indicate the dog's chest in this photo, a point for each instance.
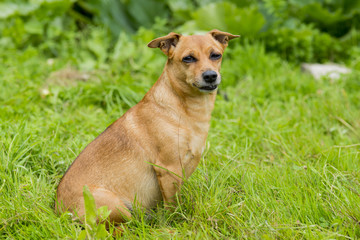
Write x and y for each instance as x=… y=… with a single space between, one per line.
x=193 y=147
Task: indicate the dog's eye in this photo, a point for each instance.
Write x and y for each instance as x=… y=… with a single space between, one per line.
x=215 y=56
x=189 y=59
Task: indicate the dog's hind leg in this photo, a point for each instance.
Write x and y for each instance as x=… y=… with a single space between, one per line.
x=120 y=210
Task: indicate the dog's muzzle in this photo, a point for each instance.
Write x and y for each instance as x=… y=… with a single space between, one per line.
x=211 y=81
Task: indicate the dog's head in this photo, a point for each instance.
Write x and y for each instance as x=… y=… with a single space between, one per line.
x=195 y=60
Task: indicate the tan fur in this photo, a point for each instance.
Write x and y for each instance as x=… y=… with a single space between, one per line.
x=145 y=155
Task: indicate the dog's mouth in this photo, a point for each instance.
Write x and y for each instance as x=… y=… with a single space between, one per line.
x=208 y=88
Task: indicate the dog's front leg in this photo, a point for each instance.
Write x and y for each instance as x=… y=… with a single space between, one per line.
x=170 y=179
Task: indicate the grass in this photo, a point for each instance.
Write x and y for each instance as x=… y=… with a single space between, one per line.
x=282 y=157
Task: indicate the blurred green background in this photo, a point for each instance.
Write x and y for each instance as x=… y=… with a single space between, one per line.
x=297 y=30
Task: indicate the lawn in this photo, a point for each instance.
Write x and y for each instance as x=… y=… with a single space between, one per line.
x=281 y=162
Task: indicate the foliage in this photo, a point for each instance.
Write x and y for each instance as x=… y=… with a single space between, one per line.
x=124 y=15
x=303 y=44
x=24 y=23
x=228 y=17
x=313 y=30
x=336 y=17
x=94 y=230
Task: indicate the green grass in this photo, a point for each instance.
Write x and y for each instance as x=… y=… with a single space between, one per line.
x=282 y=157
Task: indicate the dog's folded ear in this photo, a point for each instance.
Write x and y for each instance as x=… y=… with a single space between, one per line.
x=222 y=37
x=167 y=43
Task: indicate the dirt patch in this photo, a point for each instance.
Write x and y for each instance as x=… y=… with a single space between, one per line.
x=68 y=77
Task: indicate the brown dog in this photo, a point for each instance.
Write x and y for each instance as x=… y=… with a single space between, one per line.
x=146 y=154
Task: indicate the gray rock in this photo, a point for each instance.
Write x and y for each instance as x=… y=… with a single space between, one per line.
x=332 y=71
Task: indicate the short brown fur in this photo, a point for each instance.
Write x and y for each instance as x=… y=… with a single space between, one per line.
x=145 y=155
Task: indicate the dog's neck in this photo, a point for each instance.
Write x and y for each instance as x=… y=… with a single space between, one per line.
x=176 y=95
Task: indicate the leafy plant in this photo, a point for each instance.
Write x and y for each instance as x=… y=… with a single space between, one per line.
x=303 y=44
x=228 y=17
x=124 y=15
x=335 y=17
x=311 y=30
x=95 y=227
x=26 y=23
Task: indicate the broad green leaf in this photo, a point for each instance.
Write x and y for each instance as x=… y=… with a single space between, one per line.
x=103 y=212
x=101 y=232
x=176 y=5
x=34 y=26
x=181 y=10
x=55 y=27
x=82 y=235
x=90 y=207
x=213 y=16
x=27 y=9
x=144 y=12
x=319 y=13
x=228 y=17
x=7 y=10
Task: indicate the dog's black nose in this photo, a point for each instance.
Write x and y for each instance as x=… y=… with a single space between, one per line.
x=209 y=76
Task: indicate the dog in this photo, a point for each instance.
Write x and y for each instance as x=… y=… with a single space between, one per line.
x=145 y=155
